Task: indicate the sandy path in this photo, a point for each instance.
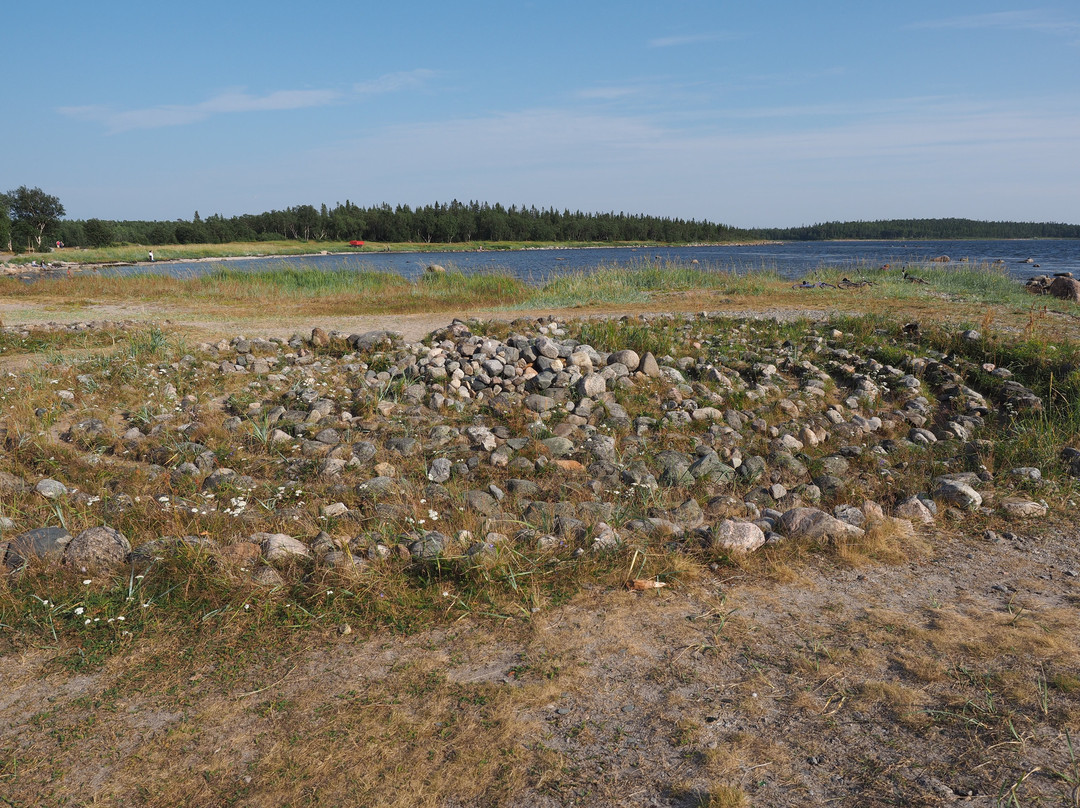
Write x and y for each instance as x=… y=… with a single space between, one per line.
x=201 y=325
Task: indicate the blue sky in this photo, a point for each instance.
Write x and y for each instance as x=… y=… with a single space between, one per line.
x=747 y=113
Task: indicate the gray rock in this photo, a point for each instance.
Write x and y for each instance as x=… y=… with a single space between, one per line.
x=267 y=576
x=376 y=487
x=372 y=339
x=625 y=357
x=280 y=547
x=480 y=437
x=736 y=537
x=482 y=502
x=915 y=509
x=674 y=468
x=539 y=403
x=439 y=470
x=591 y=385
x=545 y=346
x=814 y=524
x=559 y=447
x=97 y=547
x=649 y=365
x=1028 y=473
x=605 y=537
x=51 y=489
x=41 y=542
x=602 y=447
x=751 y=468
x=429 y=546
x=958 y=494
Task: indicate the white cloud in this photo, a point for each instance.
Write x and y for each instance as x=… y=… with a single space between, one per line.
x=237 y=101
x=926 y=154
x=393 y=82
x=688 y=39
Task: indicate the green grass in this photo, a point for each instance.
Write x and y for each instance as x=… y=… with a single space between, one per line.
x=627 y=284
x=976 y=282
x=135 y=253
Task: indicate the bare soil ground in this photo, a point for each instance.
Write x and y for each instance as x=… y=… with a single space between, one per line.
x=948 y=677
x=202 y=324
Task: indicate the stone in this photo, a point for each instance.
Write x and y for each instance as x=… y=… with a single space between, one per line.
x=625 y=357
x=51 y=489
x=267 y=576
x=439 y=470
x=605 y=537
x=1065 y=289
x=280 y=547
x=429 y=546
x=913 y=508
x=539 y=403
x=97 y=547
x=958 y=494
x=41 y=542
x=1023 y=508
x=591 y=385
x=482 y=502
x=736 y=537
x=480 y=437
x=558 y=447
x=813 y=524
x=649 y=366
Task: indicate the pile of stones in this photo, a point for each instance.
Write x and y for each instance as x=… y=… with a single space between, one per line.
x=539 y=441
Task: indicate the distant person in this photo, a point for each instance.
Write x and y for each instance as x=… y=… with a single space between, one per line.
x=151 y=255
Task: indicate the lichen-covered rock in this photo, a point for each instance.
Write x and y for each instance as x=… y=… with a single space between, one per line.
x=814 y=524
x=97 y=547
x=736 y=537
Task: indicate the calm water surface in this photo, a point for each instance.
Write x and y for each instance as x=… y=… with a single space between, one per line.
x=792 y=260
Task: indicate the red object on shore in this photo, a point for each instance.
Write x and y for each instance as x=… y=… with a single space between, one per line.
x=356 y=244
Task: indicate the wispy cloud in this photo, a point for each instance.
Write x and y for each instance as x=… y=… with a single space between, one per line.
x=237 y=101
x=394 y=82
x=689 y=39
x=728 y=173
x=1039 y=20
x=612 y=93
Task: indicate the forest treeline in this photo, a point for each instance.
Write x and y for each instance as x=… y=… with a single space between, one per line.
x=30 y=218
x=458 y=222
x=893 y=229
x=439 y=223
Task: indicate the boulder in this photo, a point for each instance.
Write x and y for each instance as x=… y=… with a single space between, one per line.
x=814 y=524
x=97 y=547
x=736 y=537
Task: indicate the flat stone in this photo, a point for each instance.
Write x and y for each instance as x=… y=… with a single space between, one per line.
x=279 y=547
x=40 y=542
x=558 y=447
x=1023 y=508
x=51 y=489
x=814 y=524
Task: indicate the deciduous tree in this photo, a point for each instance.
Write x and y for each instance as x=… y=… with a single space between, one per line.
x=33 y=211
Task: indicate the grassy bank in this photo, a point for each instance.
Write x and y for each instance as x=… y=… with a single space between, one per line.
x=138 y=253
x=971 y=294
